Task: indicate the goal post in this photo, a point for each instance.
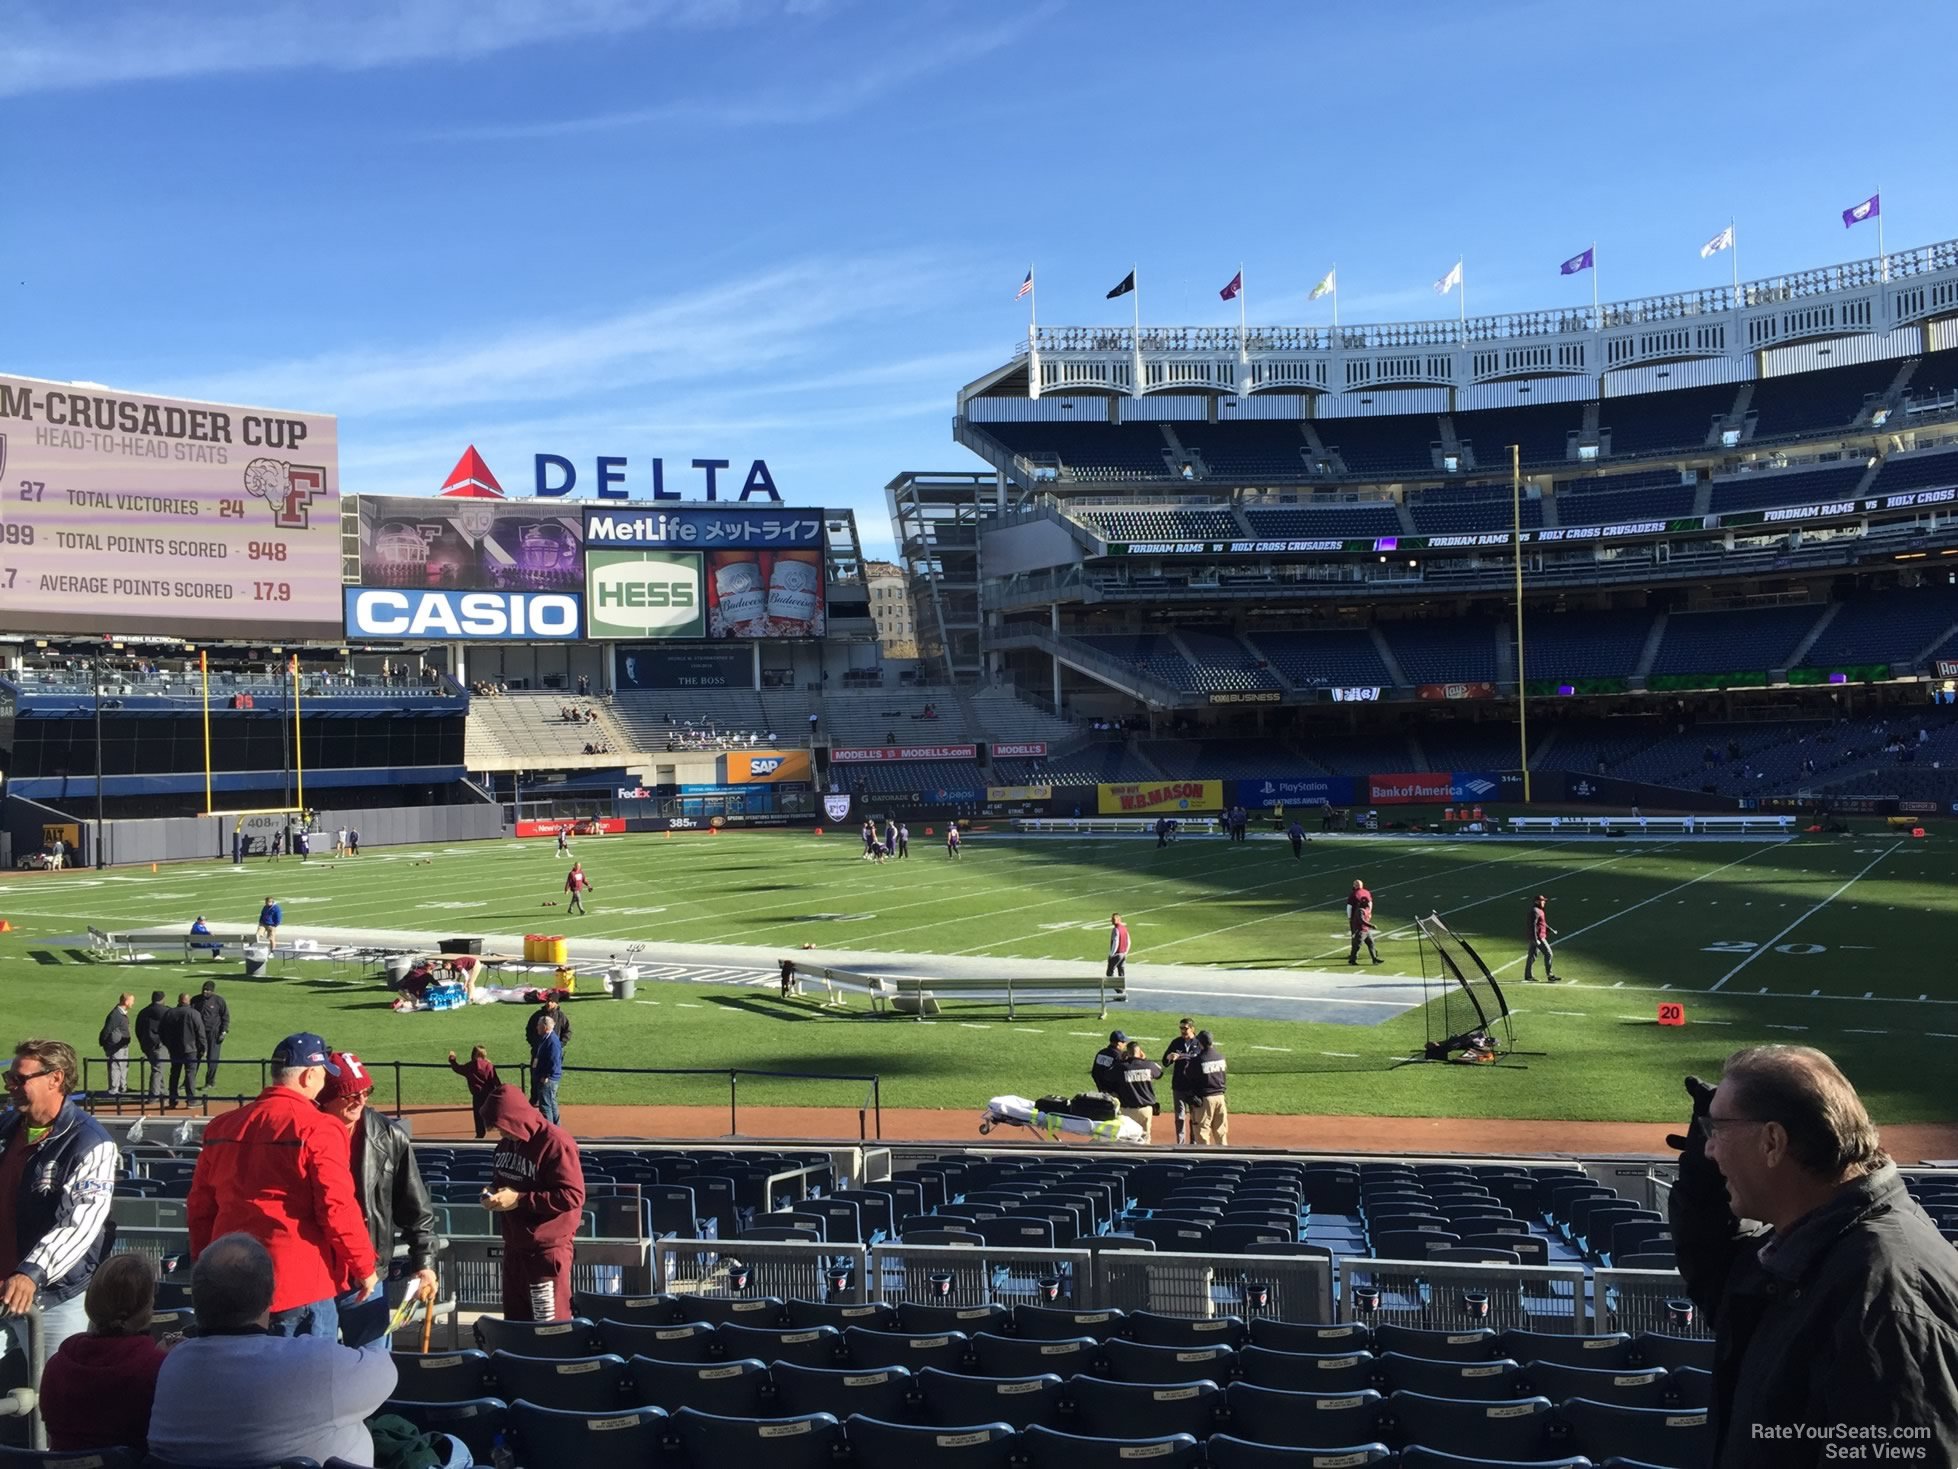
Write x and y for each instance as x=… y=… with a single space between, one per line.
x=253 y=819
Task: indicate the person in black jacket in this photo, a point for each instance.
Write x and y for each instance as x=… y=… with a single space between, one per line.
x=1210 y=1117
x=1836 y=1314
x=114 y=1041
x=216 y=1015
x=562 y=1024
x=149 y=1039
x=183 y=1038
x=392 y=1196
x=1135 y=1088
x=1106 y=1069
x=1181 y=1054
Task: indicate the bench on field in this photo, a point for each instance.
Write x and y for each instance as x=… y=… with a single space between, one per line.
x=919 y=995
x=1656 y=825
x=1113 y=825
x=128 y=942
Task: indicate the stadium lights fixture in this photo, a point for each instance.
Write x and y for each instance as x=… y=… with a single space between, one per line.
x=1451 y=463
x=1587 y=453
x=1730 y=438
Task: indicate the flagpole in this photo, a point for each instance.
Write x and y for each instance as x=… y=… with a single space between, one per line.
x=1597 y=322
x=1243 y=342
x=1137 y=293
x=1461 y=288
x=1883 y=260
x=1335 y=298
x=1733 y=245
x=1033 y=305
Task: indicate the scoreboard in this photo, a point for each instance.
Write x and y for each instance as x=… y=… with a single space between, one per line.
x=165 y=517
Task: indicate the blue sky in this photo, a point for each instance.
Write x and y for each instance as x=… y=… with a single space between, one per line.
x=791 y=229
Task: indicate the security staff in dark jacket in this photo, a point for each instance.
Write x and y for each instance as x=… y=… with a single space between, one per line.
x=1181 y=1054
x=149 y=1038
x=216 y=1015
x=1210 y=1119
x=561 y=1023
x=1835 y=1316
x=1106 y=1068
x=114 y=1041
x=391 y=1192
x=1135 y=1088
x=183 y=1038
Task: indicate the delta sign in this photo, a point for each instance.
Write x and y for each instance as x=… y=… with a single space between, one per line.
x=556 y=475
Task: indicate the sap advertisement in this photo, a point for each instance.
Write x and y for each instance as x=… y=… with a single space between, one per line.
x=705 y=573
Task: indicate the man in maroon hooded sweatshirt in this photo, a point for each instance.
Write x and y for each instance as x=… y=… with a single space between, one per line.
x=538 y=1185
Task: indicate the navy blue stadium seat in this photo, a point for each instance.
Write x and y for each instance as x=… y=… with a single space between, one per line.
x=1657 y=1349
x=877 y=1315
x=1625 y=1387
x=1171 y=1234
x=1310 y=1336
x=1161 y=1330
x=882 y=1392
x=1045 y=1448
x=639 y=1310
x=1444 y=1379
x=1302 y=1420
x=1440 y=1346
x=951 y=1400
x=695 y=1341
x=1687 y=1387
x=1657 y=1436
x=476 y=1422
x=1049 y=1323
x=441 y=1377
x=574 y=1384
x=707 y=1441
x=732 y=1310
x=865 y=1348
x=1515 y=1428
x=1313 y=1372
x=1134 y=1361
x=1223 y=1451
x=916 y=1316
x=1143 y=1410
x=573 y=1338
x=1008 y=1356
x=584 y=1440
x=733 y=1389
x=1420 y=1457
x=875 y=1444
x=808 y=1346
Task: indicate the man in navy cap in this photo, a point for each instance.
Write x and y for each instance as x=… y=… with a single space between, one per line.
x=1107 y=1067
x=279 y=1170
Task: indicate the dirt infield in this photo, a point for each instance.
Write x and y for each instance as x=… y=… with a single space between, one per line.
x=1402 y=1135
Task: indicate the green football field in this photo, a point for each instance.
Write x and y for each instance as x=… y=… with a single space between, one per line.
x=1842 y=942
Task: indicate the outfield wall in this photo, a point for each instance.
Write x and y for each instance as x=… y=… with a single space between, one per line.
x=195 y=838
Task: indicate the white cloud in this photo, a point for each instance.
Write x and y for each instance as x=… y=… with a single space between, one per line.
x=51 y=49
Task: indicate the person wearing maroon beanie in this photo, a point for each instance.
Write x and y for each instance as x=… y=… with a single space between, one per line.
x=96 y=1391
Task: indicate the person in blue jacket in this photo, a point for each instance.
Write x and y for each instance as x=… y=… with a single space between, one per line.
x=203 y=928
x=269 y=919
x=546 y=1068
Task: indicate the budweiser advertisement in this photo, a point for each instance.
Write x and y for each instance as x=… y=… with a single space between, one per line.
x=876 y=753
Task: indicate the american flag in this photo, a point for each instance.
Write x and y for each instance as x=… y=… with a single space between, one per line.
x=1026 y=285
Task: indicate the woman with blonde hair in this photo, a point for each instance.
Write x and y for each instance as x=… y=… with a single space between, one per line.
x=96 y=1392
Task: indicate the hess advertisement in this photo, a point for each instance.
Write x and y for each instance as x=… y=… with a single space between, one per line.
x=131 y=513
x=705 y=572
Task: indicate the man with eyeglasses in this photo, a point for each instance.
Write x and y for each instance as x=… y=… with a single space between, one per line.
x=57 y=1173
x=1832 y=1297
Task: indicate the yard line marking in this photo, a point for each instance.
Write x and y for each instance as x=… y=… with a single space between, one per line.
x=1868 y=947
x=1343 y=1055
x=1941 y=1035
x=1787 y=1027
x=1866 y=1032
x=1286 y=1049
x=685 y=1006
x=1713 y=1022
x=1086 y=1035
x=1799 y=921
x=972 y=1025
x=1568 y=1014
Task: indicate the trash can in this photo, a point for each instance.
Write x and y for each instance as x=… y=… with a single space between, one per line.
x=257 y=956
x=398 y=966
x=625 y=981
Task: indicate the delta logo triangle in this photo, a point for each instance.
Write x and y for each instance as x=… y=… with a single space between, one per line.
x=471 y=478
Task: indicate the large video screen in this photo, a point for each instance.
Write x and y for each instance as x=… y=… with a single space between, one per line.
x=705 y=572
x=166 y=517
x=470 y=545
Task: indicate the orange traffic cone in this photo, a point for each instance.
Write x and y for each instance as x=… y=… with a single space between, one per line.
x=5 y=927
x=152 y=867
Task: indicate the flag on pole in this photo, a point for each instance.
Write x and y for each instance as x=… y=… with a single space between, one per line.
x=1025 y=285
x=1584 y=261
x=1870 y=208
x=1127 y=284
x=1324 y=288
x=1722 y=241
x=1229 y=293
x=1448 y=282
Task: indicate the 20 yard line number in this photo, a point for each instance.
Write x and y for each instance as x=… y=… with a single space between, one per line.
x=1748 y=946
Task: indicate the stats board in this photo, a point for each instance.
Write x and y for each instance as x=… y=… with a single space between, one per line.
x=130 y=513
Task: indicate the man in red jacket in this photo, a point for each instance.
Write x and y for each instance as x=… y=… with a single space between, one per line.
x=538 y=1185
x=278 y=1170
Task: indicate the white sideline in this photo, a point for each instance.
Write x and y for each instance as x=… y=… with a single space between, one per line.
x=1805 y=917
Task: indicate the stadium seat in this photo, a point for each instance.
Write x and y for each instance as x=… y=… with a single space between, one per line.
x=442 y=1377
x=1132 y=1361
x=1422 y=1457
x=573 y=1338
x=1410 y=1244
x=1445 y=1379
x=1007 y=1356
x=734 y=1389
x=1613 y=1349
x=1248 y=1239
x=1045 y=1448
x=1473 y=1255
x=883 y=1392
x=586 y=1441
x=810 y=1346
x=707 y=1441
x=918 y=1317
x=946 y=1236
x=732 y=1310
x=1528 y=1248
x=1514 y=1428
x=865 y=1348
x=1657 y=1349
x=1624 y=1387
x=1437 y=1346
x=1687 y=1387
x=875 y=1444
x=1161 y=1330
x=1656 y=1436
x=637 y=1310
x=575 y=1385
x=1314 y=1372
x=1172 y=1234
x=952 y=1401
x=1222 y=1451
x=1143 y=1410
x=877 y=1315
x=1302 y=1420
x=695 y=1341
x=1047 y=1323
x=476 y=1422
x=1310 y=1336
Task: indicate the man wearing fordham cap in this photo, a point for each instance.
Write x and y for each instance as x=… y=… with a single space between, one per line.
x=389 y=1187
x=277 y=1169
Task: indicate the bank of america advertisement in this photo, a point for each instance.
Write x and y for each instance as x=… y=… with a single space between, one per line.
x=135 y=514
x=704 y=572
